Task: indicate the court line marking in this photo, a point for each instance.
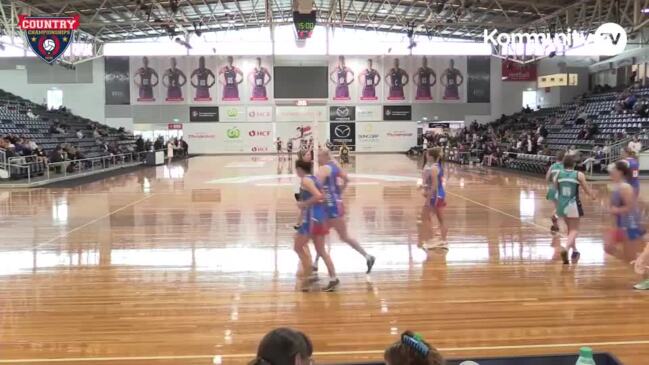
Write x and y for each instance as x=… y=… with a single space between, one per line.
x=65 y=234
x=324 y=353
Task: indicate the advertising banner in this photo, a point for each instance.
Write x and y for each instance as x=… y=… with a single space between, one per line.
x=173 y=81
x=231 y=113
x=369 y=113
x=260 y=113
x=300 y=113
x=479 y=83
x=385 y=137
x=342 y=113
x=340 y=133
x=514 y=71
x=229 y=137
x=204 y=114
x=397 y=112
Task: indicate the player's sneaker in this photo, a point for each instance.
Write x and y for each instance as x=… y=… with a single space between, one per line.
x=564 y=256
x=370 y=264
x=332 y=286
x=642 y=286
x=575 y=257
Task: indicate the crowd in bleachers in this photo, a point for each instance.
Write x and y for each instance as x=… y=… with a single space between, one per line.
x=35 y=137
x=587 y=127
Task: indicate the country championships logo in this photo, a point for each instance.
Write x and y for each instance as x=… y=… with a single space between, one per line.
x=342 y=131
x=48 y=37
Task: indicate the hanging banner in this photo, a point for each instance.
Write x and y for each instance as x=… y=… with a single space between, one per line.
x=514 y=71
x=397 y=112
x=479 y=83
x=116 y=81
x=204 y=114
x=144 y=80
x=452 y=79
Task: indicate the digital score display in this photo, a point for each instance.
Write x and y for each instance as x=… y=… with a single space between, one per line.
x=304 y=24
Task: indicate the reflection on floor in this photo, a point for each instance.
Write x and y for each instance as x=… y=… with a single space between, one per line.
x=177 y=264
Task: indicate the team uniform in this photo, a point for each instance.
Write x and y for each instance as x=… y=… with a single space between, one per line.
x=314 y=217
x=279 y=146
x=146 y=83
x=634 y=166
x=230 y=89
x=568 y=202
x=554 y=171
x=333 y=199
x=289 y=147
x=202 y=87
x=452 y=88
x=369 y=84
x=342 y=89
x=259 y=88
x=174 y=91
x=437 y=200
x=396 y=84
x=629 y=225
x=425 y=76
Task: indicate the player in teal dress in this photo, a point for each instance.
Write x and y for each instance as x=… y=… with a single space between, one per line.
x=567 y=182
x=554 y=169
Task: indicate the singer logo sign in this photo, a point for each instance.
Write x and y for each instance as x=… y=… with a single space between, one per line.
x=609 y=39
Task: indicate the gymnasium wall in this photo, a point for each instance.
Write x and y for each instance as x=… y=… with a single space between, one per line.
x=83 y=88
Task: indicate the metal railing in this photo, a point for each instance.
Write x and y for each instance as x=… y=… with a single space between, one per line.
x=79 y=167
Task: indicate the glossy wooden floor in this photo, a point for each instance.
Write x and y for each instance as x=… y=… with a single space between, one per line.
x=178 y=265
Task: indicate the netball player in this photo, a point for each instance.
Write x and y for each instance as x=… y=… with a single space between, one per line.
x=328 y=176
x=631 y=160
x=627 y=239
x=567 y=182
x=278 y=144
x=425 y=79
x=342 y=76
x=554 y=169
x=369 y=78
x=314 y=224
x=174 y=79
x=434 y=192
x=451 y=80
x=231 y=78
x=205 y=79
x=289 y=149
x=259 y=78
x=397 y=78
x=148 y=79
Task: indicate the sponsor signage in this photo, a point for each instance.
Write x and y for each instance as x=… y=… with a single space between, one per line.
x=300 y=113
x=259 y=114
x=514 y=71
x=368 y=113
x=558 y=80
x=204 y=114
x=232 y=114
x=385 y=137
x=342 y=113
x=340 y=133
x=397 y=112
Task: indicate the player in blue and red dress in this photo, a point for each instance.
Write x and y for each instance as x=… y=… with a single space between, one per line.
x=313 y=225
x=259 y=77
x=627 y=240
x=146 y=81
x=425 y=79
x=174 y=79
x=397 y=78
x=329 y=174
x=435 y=194
x=205 y=79
x=369 y=78
x=231 y=78
x=634 y=165
x=452 y=79
x=342 y=76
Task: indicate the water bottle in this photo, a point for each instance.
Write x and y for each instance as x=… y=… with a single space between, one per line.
x=585 y=356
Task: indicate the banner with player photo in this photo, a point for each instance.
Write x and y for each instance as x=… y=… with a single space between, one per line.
x=452 y=79
x=244 y=79
x=202 y=80
x=424 y=80
x=117 y=81
x=173 y=79
x=397 y=79
x=145 y=79
x=355 y=79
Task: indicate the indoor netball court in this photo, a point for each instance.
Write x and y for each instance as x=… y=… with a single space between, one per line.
x=446 y=182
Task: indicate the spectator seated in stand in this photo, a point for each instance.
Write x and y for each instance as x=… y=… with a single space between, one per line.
x=412 y=349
